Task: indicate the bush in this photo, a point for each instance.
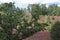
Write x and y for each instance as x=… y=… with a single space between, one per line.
x=55 y=31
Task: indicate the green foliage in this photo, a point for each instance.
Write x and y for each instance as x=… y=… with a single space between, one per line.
x=55 y=33
x=10 y=17
x=35 y=11
x=49 y=27
x=0 y=18
x=52 y=9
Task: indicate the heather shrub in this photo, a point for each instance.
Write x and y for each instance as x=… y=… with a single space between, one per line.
x=55 y=31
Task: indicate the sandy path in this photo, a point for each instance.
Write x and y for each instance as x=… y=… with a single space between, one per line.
x=41 y=35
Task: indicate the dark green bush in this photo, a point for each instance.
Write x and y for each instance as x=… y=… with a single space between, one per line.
x=55 y=31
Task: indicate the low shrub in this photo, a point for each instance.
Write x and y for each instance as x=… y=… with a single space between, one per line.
x=55 y=31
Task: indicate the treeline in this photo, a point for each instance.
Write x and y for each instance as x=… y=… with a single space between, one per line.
x=52 y=9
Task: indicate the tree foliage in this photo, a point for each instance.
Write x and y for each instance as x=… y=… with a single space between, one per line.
x=43 y=9
x=14 y=25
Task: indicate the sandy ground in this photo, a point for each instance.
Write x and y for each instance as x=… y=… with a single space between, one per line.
x=41 y=35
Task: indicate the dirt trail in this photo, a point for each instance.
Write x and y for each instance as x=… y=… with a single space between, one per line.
x=41 y=35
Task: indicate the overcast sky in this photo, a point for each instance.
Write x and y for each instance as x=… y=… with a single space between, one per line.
x=24 y=3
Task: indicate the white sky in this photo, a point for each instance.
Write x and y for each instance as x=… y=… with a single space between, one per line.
x=27 y=1
x=23 y=3
x=49 y=1
x=3 y=1
x=30 y=1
